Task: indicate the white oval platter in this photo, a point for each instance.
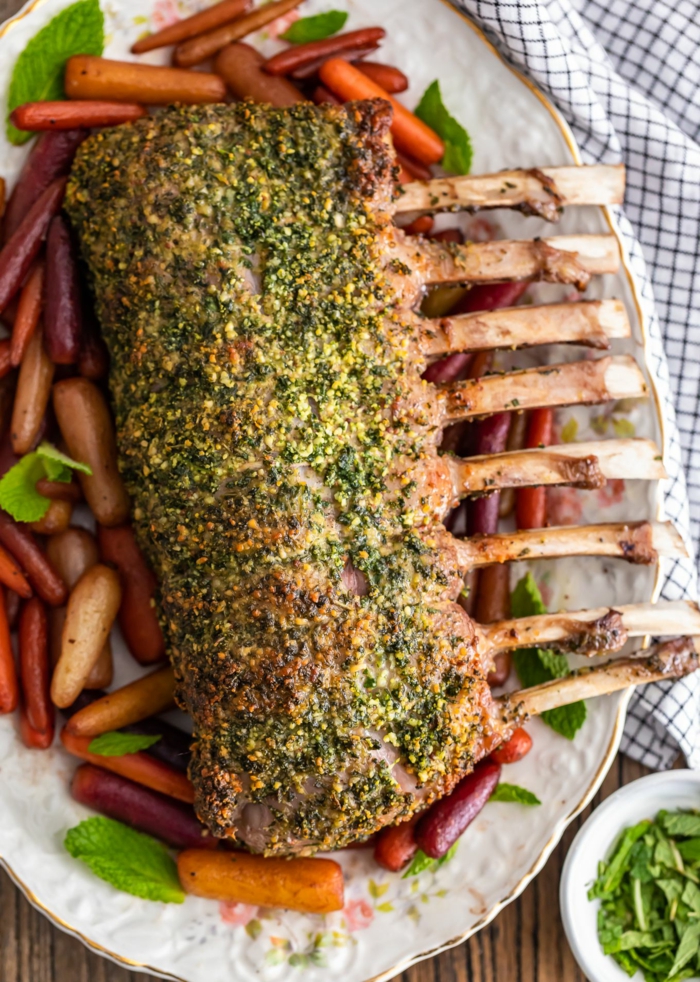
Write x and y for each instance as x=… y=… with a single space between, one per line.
x=388 y=923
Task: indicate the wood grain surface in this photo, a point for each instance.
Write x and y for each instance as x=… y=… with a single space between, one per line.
x=525 y=943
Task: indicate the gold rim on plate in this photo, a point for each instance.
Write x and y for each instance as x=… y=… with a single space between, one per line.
x=624 y=700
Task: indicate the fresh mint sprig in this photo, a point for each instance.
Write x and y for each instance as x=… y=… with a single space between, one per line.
x=18 y=494
x=458 y=148
x=315 y=28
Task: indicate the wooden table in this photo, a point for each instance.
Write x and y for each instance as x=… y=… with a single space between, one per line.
x=525 y=943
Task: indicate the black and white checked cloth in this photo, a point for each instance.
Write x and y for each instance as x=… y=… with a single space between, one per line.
x=626 y=76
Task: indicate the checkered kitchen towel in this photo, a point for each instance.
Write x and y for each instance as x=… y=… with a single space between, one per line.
x=626 y=75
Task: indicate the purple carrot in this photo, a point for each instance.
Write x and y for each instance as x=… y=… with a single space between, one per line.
x=22 y=248
x=145 y=810
x=444 y=822
x=490 y=437
x=62 y=314
x=50 y=157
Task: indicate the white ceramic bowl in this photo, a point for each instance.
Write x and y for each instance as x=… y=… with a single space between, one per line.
x=638 y=800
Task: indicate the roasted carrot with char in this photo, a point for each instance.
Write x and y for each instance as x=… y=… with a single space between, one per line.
x=39 y=571
x=29 y=308
x=411 y=135
x=137 y=767
x=138 y=700
x=34 y=666
x=531 y=503
x=190 y=27
x=38 y=116
x=314 y=886
x=89 y=77
x=301 y=55
x=9 y=686
x=198 y=49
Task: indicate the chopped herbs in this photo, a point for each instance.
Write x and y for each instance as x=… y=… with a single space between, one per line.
x=649 y=917
x=535 y=665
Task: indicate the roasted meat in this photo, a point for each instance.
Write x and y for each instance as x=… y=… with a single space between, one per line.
x=280 y=449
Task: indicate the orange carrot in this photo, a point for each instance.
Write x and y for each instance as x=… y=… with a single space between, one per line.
x=12 y=576
x=200 y=48
x=531 y=503
x=147 y=696
x=311 y=885
x=28 y=310
x=410 y=133
x=9 y=686
x=137 y=767
x=190 y=27
x=88 y=77
x=72 y=115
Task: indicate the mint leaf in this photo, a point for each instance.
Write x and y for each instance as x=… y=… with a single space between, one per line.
x=56 y=462
x=115 y=744
x=421 y=862
x=534 y=666
x=315 y=28
x=129 y=860
x=18 y=494
x=681 y=823
x=512 y=792
x=38 y=72
x=526 y=599
x=458 y=147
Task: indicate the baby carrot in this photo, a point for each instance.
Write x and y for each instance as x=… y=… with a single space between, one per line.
x=200 y=48
x=391 y=79
x=70 y=115
x=140 y=699
x=311 y=885
x=34 y=739
x=531 y=503
x=11 y=575
x=88 y=77
x=34 y=666
x=189 y=27
x=137 y=767
x=410 y=133
x=9 y=687
x=28 y=310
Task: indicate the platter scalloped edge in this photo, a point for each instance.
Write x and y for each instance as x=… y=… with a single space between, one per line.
x=388 y=923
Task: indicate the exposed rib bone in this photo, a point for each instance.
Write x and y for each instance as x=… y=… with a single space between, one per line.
x=586 y=465
x=588 y=632
x=591 y=322
x=572 y=383
x=670 y=660
x=561 y=259
x=637 y=542
x=541 y=192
